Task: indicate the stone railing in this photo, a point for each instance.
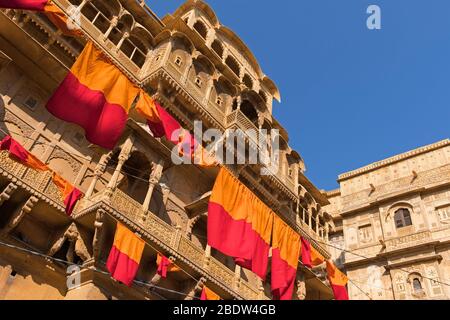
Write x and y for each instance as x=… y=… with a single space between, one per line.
x=180 y=244
x=194 y=92
x=409 y=240
x=39 y=182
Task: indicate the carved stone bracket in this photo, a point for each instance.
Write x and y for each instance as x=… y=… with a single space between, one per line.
x=98 y=235
x=77 y=244
x=7 y=192
x=20 y=213
x=196 y=290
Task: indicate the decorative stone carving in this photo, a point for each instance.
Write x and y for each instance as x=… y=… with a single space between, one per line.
x=7 y=192
x=77 y=244
x=98 y=235
x=20 y=213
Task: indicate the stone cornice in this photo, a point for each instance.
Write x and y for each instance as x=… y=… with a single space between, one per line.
x=397 y=158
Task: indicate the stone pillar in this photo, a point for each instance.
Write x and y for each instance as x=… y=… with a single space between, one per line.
x=123 y=157
x=113 y=24
x=207 y=256
x=327 y=231
x=208 y=91
x=99 y=171
x=155 y=176
x=185 y=75
x=317 y=223
x=237 y=276
x=310 y=218
x=124 y=37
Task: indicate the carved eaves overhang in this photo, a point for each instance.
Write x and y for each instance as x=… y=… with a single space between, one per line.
x=380 y=164
x=318 y=195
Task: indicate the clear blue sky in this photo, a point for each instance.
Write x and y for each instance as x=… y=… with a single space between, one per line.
x=351 y=96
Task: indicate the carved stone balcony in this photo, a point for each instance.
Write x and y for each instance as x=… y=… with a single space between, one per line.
x=37 y=183
x=160 y=234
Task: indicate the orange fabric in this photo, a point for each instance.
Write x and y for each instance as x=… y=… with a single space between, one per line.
x=171 y=268
x=35 y=163
x=316 y=257
x=242 y=204
x=208 y=294
x=60 y=20
x=63 y=185
x=128 y=243
x=287 y=241
x=147 y=108
x=336 y=276
x=94 y=70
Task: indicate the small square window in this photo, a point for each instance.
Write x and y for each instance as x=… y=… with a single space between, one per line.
x=31 y=103
x=219 y=101
x=178 y=61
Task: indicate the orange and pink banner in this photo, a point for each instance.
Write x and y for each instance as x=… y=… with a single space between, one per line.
x=125 y=255
x=239 y=224
x=95 y=95
x=17 y=152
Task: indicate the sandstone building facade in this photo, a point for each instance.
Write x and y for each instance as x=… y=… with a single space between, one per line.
x=197 y=69
x=392 y=218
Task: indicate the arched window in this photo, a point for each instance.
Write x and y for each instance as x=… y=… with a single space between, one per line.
x=248 y=81
x=218 y=48
x=417 y=285
x=201 y=29
x=232 y=63
x=402 y=218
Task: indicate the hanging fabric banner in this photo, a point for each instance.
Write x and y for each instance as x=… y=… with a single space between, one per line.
x=125 y=255
x=165 y=266
x=20 y=154
x=338 y=281
x=208 y=294
x=95 y=95
x=239 y=224
x=285 y=255
x=162 y=124
x=71 y=195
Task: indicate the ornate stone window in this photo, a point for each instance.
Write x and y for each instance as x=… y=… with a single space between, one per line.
x=234 y=65
x=218 y=48
x=402 y=218
x=178 y=61
x=201 y=29
x=248 y=81
x=415 y=280
x=444 y=214
x=219 y=101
